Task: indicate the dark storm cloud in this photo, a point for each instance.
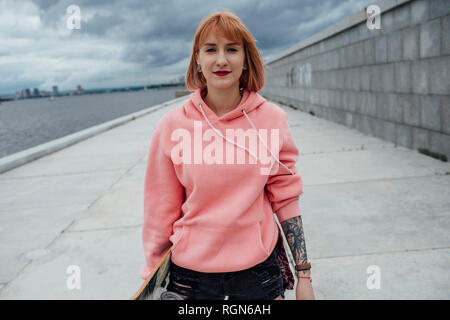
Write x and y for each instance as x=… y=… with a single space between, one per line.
x=100 y=25
x=141 y=24
x=139 y=38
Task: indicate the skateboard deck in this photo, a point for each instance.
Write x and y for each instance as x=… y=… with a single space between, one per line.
x=156 y=282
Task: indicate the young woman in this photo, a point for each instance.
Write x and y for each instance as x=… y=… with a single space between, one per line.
x=210 y=193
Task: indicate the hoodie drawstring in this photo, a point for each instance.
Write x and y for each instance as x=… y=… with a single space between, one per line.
x=243 y=147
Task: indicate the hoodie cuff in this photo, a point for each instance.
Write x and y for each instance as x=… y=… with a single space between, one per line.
x=289 y=211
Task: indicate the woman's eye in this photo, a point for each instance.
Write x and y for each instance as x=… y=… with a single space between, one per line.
x=231 y=49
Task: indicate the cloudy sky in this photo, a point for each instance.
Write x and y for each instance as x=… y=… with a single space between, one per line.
x=138 y=42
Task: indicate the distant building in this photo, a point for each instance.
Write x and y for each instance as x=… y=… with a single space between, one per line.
x=27 y=93
x=55 y=91
x=36 y=92
x=45 y=93
x=79 y=90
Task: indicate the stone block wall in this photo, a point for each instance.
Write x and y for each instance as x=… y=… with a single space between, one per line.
x=392 y=83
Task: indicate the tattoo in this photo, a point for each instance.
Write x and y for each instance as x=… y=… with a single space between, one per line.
x=293 y=230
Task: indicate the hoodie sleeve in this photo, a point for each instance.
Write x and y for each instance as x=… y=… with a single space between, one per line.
x=283 y=188
x=163 y=197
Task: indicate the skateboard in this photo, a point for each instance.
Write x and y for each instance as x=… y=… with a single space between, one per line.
x=154 y=287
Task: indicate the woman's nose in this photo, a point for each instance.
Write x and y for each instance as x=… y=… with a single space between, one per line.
x=221 y=58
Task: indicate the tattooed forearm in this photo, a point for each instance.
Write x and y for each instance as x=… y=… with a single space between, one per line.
x=293 y=230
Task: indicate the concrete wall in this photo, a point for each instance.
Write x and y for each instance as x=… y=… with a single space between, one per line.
x=392 y=83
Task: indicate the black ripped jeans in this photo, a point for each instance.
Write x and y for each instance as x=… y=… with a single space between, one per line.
x=261 y=282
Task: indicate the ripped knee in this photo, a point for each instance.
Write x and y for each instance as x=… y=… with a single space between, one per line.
x=271 y=278
x=181 y=285
x=184 y=291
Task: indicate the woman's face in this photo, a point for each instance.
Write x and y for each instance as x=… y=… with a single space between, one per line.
x=290 y=239
x=219 y=53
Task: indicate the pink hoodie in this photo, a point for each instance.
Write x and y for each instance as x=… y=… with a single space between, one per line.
x=218 y=211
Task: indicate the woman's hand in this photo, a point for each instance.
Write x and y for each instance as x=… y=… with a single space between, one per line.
x=304 y=290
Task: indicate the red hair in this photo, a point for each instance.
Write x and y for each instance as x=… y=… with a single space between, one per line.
x=228 y=24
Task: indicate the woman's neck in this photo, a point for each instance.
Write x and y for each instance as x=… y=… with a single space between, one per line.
x=222 y=101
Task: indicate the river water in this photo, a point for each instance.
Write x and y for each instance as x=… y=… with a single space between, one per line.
x=31 y=122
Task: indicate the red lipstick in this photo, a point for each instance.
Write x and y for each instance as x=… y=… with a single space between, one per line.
x=222 y=72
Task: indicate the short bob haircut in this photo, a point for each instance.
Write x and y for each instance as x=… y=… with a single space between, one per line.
x=228 y=24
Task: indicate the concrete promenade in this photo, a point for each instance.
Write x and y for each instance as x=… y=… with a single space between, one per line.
x=366 y=202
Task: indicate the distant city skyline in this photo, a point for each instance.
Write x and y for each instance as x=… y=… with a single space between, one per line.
x=27 y=93
x=123 y=45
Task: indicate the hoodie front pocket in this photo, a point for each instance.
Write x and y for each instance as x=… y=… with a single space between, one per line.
x=209 y=249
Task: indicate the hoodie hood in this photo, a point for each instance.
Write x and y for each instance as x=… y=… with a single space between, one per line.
x=249 y=102
x=196 y=108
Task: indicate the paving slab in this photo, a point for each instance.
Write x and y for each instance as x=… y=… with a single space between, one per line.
x=120 y=206
x=363 y=165
x=55 y=190
x=376 y=216
x=105 y=263
x=26 y=233
x=408 y=275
